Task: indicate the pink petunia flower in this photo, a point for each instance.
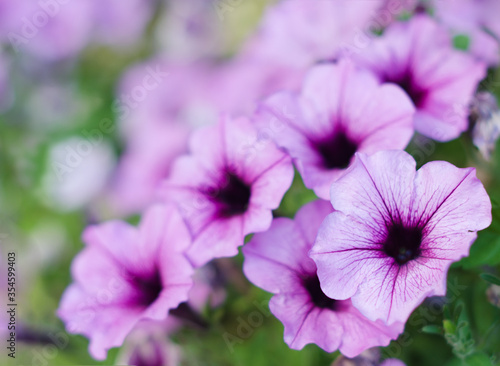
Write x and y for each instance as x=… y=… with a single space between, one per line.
x=392 y=362
x=119 y=23
x=227 y=187
x=148 y=345
x=418 y=55
x=340 y=110
x=277 y=261
x=125 y=275
x=477 y=19
x=298 y=33
x=395 y=232
x=50 y=31
x=157 y=104
x=160 y=102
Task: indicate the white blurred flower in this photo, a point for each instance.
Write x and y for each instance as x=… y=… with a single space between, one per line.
x=485 y=116
x=78 y=170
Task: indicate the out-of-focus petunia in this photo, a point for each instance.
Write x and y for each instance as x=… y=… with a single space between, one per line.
x=227 y=187
x=125 y=275
x=49 y=31
x=419 y=56
x=476 y=20
x=392 y=362
x=191 y=30
x=119 y=23
x=340 y=111
x=148 y=345
x=78 y=174
x=277 y=261
x=299 y=33
x=158 y=104
x=395 y=232
x=370 y=357
x=485 y=123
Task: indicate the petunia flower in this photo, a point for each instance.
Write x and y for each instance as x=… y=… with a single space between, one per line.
x=227 y=187
x=418 y=55
x=395 y=232
x=160 y=102
x=341 y=110
x=148 y=345
x=485 y=123
x=277 y=261
x=48 y=31
x=121 y=24
x=370 y=357
x=392 y=362
x=298 y=33
x=478 y=20
x=126 y=275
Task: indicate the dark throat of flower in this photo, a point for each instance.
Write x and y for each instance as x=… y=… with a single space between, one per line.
x=406 y=81
x=318 y=297
x=232 y=196
x=336 y=150
x=148 y=288
x=402 y=243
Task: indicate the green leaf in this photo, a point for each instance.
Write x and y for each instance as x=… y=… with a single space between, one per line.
x=432 y=329
x=484 y=251
x=490 y=278
x=449 y=327
x=478 y=359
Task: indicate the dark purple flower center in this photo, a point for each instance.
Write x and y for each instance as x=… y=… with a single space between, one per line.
x=149 y=358
x=336 y=151
x=318 y=297
x=233 y=196
x=403 y=242
x=415 y=92
x=148 y=289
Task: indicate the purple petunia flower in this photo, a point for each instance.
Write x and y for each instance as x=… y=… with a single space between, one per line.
x=227 y=187
x=49 y=31
x=298 y=33
x=119 y=23
x=418 y=55
x=340 y=110
x=161 y=102
x=478 y=20
x=392 y=362
x=277 y=261
x=126 y=275
x=148 y=345
x=395 y=232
